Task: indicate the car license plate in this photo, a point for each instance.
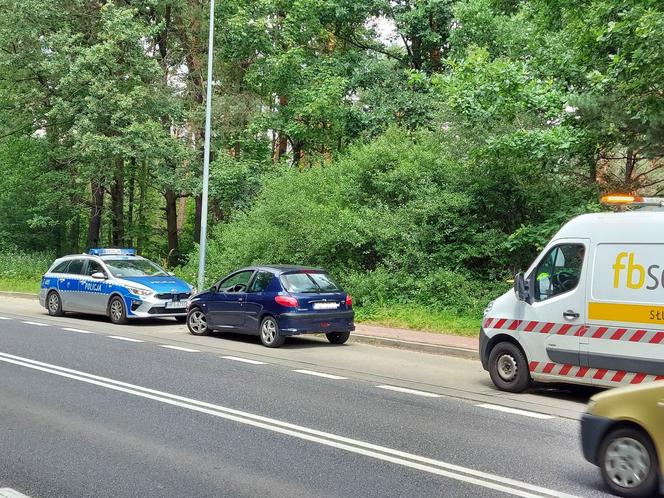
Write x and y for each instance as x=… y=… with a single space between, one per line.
x=176 y=305
x=326 y=306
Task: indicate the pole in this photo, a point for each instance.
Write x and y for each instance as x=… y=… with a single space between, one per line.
x=206 y=156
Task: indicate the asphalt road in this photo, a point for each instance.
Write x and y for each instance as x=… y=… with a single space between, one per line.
x=92 y=409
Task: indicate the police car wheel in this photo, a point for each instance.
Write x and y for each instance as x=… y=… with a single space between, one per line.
x=269 y=332
x=508 y=368
x=628 y=463
x=117 y=312
x=54 y=304
x=197 y=322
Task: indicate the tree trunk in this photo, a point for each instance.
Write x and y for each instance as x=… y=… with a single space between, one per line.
x=197 y=219
x=434 y=53
x=630 y=164
x=117 y=205
x=94 y=228
x=282 y=139
x=140 y=222
x=171 y=225
x=129 y=238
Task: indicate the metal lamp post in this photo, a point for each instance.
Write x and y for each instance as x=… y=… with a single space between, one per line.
x=206 y=156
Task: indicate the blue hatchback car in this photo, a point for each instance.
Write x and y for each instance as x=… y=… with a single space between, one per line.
x=274 y=302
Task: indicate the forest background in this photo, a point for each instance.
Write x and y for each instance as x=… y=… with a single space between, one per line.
x=420 y=150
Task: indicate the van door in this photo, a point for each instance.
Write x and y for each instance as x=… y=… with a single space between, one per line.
x=552 y=323
x=626 y=314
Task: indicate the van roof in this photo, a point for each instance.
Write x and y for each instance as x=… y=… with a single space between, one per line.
x=646 y=226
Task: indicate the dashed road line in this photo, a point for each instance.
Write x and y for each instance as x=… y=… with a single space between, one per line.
x=38 y=324
x=320 y=374
x=4 y=318
x=515 y=411
x=128 y=339
x=409 y=391
x=178 y=348
x=243 y=360
x=80 y=331
x=414 y=461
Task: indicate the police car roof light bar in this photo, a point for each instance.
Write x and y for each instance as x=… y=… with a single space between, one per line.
x=623 y=200
x=116 y=252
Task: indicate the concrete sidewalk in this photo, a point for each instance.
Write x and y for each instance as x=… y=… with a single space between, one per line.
x=415 y=340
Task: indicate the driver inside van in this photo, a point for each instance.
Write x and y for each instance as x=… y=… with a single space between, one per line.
x=560 y=270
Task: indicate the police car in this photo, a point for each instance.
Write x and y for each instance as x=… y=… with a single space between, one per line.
x=115 y=283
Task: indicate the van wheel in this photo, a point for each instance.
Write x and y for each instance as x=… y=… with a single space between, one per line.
x=116 y=311
x=508 y=368
x=54 y=304
x=628 y=463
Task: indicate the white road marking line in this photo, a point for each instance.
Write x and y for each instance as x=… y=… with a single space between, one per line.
x=425 y=464
x=80 y=331
x=244 y=360
x=179 y=348
x=128 y=339
x=38 y=324
x=11 y=493
x=409 y=391
x=320 y=374
x=4 y=318
x=515 y=411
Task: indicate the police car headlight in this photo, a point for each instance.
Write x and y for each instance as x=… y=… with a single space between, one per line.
x=488 y=308
x=140 y=292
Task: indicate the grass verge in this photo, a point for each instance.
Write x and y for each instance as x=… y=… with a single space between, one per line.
x=419 y=318
x=19 y=285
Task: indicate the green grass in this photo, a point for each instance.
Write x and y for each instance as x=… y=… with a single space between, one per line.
x=19 y=285
x=419 y=318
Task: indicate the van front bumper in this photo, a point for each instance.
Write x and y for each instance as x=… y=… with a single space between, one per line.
x=484 y=343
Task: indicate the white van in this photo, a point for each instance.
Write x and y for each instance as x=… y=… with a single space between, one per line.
x=589 y=310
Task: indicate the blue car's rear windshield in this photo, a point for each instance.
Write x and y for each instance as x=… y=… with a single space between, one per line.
x=308 y=283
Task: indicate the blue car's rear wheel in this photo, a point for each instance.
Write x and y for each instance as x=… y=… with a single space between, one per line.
x=197 y=322
x=337 y=337
x=269 y=332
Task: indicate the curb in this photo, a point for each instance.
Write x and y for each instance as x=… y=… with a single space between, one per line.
x=420 y=347
x=22 y=295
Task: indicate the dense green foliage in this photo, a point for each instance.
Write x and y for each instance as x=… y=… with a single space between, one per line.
x=422 y=151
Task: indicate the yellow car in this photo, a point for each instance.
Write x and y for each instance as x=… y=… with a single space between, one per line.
x=623 y=434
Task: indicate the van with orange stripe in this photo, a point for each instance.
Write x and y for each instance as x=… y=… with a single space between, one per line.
x=589 y=310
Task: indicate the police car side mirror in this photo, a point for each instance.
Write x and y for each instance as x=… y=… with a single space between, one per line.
x=99 y=275
x=521 y=288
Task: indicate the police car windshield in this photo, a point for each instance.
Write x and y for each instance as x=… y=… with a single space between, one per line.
x=133 y=268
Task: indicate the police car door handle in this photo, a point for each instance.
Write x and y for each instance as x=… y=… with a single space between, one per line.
x=570 y=315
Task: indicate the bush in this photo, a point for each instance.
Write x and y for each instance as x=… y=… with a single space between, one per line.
x=24 y=265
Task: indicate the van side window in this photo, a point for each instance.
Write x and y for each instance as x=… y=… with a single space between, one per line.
x=559 y=271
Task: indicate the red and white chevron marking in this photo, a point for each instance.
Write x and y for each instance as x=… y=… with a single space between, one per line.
x=591 y=331
x=600 y=374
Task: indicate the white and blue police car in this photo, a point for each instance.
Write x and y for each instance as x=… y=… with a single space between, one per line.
x=116 y=283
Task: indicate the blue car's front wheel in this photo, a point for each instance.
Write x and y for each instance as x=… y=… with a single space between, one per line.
x=270 y=336
x=197 y=322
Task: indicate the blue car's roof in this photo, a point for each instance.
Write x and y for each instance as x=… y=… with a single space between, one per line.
x=279 y=269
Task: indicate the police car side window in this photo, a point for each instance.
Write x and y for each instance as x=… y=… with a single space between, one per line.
x=76 y=267
x=61 y=268
x=559 y=271
x=94 y=267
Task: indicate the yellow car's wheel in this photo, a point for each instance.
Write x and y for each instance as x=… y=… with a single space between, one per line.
x=628 y=462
